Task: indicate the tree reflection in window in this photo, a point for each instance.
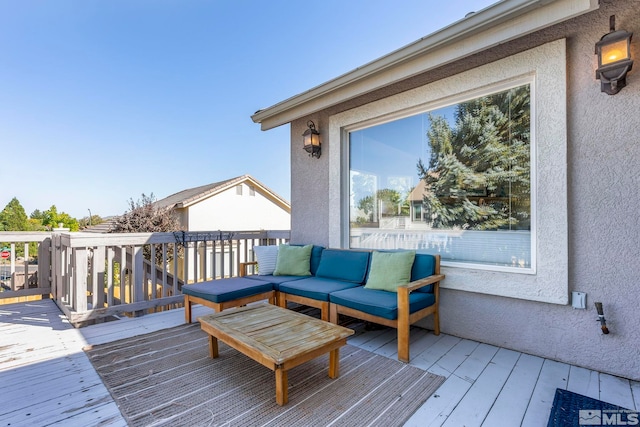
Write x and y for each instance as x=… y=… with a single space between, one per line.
x=478 y=176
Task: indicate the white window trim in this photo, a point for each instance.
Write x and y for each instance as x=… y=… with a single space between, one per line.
x=546 y=67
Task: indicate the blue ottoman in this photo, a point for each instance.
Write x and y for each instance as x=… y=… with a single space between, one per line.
x=225 y=293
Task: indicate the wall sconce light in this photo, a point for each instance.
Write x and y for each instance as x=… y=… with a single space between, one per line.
x=614 y=58
x=311 y=140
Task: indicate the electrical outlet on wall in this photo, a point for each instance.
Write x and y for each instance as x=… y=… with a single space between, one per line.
x=579 y=300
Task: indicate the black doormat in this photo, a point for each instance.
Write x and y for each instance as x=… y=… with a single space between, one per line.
x=571 y=409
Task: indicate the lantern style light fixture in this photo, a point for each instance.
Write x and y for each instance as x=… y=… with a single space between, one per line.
x=614 y=58
x=311 y=140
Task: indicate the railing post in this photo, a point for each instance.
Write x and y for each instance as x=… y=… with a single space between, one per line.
x=97 y=276
x=165 y=266
x=185 y=263
x=176 y=251
x=45 y=266
x=60 y=260
x=124 y=291
x=137 y=277
x=110 y=275
x=79 y=278
x=12 y=263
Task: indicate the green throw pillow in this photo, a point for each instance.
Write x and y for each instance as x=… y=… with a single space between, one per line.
x=293 y=261
x=390 y=270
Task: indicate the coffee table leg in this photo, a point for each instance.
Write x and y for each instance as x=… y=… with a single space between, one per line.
x=334 y=363
x=213 y=346
x=282 y=387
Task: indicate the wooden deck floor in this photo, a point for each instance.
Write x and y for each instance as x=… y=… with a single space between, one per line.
x=46 y=379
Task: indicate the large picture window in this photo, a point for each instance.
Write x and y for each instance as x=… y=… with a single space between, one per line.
x=454 y=180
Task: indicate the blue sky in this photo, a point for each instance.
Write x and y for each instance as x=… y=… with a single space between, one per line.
x=103 y=100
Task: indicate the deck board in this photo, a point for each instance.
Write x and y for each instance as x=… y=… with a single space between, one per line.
x=552 y=375
x=511 y=404
x=471 y=368
x=50 y=381
x=380 y=340
x=635 y=390
x=476 y=404
x=452 y=360
x=584 y=381
x=46 y=378
x=431 y=355
x=438 y=407
x=616 y=390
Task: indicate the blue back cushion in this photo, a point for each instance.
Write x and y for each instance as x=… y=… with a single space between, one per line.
x=424 y=265
x=316 y=253
x=346 y=265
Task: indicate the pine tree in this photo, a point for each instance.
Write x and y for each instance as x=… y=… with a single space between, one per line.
x=13 y=217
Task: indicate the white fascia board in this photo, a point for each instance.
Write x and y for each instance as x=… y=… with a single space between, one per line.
x=498 y=23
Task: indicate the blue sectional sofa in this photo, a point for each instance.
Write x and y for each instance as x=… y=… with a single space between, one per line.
x=392 y=288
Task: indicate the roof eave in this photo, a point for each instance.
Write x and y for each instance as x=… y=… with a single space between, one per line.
x=319 y=97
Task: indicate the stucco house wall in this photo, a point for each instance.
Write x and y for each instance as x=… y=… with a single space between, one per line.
x=602 y=199
x=229 y=210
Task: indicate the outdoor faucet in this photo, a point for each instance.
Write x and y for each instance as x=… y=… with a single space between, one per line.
x=601 y=319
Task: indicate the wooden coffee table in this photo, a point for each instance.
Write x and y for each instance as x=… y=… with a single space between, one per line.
x=277 y=338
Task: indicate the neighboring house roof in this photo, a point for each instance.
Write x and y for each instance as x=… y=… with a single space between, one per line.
x=186 y=198
x=418 y=192
x=492 y=26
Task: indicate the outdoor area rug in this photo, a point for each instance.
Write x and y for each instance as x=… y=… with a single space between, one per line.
x=167 y=378
x=571 y=409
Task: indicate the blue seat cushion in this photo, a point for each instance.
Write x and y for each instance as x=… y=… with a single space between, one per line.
x=344 y=265
x=380 y=303
x=276 y=280
x=229 y=289
x=316 y=288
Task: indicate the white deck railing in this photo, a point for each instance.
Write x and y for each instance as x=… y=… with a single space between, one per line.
x=92 y=276
x=19 y=277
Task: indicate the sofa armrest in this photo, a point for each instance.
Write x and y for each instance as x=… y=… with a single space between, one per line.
x=242 y=268
x=417 y=284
